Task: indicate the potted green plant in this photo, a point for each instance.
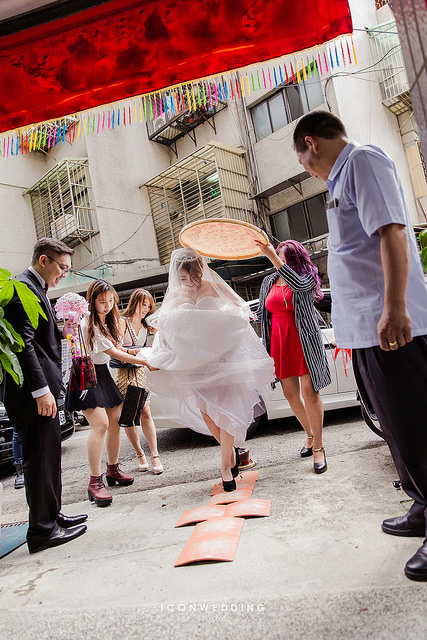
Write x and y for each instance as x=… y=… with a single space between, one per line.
x=422 y=239
x=10 y=340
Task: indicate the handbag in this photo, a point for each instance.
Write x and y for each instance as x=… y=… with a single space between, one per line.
x=83 y=374
x=133 y=404
x=118 y=364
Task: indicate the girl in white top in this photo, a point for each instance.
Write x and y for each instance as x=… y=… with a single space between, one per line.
x=101 y=405
x=134 y=330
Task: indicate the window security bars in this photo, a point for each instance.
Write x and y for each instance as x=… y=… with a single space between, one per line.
x=61 y=203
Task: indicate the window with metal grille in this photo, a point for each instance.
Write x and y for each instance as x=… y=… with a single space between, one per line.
x=390 y=67
x=210 y=183
x=287 y=105
x=423 y=162
x=158 y=297
x=61 y=203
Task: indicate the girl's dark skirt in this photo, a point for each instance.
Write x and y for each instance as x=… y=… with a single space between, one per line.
x=105 y=394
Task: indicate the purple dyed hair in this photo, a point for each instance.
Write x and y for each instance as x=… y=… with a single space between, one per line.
x=298 y=259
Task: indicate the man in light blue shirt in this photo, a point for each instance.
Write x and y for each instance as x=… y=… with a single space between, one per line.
x=379 y=300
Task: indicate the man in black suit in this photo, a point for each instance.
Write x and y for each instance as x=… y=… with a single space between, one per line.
x=32 y=408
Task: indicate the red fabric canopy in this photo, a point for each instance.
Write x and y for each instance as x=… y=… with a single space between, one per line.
x=124 y=48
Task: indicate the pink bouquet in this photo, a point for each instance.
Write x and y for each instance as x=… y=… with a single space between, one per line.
x=71 y=306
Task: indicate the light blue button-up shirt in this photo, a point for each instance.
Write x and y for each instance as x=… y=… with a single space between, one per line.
x=366 y=195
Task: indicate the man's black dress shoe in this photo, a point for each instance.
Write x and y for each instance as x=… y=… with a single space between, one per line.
x=70 y=521
x=412 y=523
x=58 y=536
x=416 y=567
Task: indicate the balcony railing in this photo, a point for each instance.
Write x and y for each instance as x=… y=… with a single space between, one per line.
x=391 y=72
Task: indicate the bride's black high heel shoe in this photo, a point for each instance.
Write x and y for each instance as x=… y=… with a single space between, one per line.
x=229 y=485
x=235 y=470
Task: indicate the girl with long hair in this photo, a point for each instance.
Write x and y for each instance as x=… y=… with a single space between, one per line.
x=134 y=331
x=101 y=405
x=292 y=336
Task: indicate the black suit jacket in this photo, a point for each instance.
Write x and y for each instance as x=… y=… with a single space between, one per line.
x=40 y=359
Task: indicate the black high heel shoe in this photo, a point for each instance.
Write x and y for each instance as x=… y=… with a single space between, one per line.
x=320 y=467
x=229 y=485
x=235 y=470
x=307 y=451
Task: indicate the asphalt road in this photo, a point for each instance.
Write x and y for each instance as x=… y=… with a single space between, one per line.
x=190 y=457
x=317 y=568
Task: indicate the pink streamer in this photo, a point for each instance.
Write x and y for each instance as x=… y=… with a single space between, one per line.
x=326 y=61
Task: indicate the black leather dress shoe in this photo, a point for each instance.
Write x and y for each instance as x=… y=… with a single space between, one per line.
x=58 y=536
x=416 y=567
x=411 y=524
x=70 y=521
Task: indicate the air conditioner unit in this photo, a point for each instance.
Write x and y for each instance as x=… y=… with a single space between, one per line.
x=159 y=123
x=63 y=227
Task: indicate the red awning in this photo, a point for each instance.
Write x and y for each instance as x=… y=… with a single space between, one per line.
x=124 y=48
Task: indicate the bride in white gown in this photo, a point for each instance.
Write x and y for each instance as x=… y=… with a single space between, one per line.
x=211 y=363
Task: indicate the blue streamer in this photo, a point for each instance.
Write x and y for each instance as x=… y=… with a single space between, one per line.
x=112 y=119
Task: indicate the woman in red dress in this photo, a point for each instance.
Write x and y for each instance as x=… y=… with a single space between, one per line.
x=292 y=336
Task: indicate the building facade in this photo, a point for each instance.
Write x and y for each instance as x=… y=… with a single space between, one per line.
x=120 y=197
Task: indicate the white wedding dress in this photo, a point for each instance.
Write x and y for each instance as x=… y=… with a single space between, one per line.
x=210 y=360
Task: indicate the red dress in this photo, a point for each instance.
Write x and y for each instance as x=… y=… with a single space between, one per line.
x=285 y=349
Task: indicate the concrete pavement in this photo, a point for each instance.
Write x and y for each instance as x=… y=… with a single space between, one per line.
x=318 y=567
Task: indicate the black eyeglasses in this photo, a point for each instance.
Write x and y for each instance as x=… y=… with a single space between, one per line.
x=61 y=266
